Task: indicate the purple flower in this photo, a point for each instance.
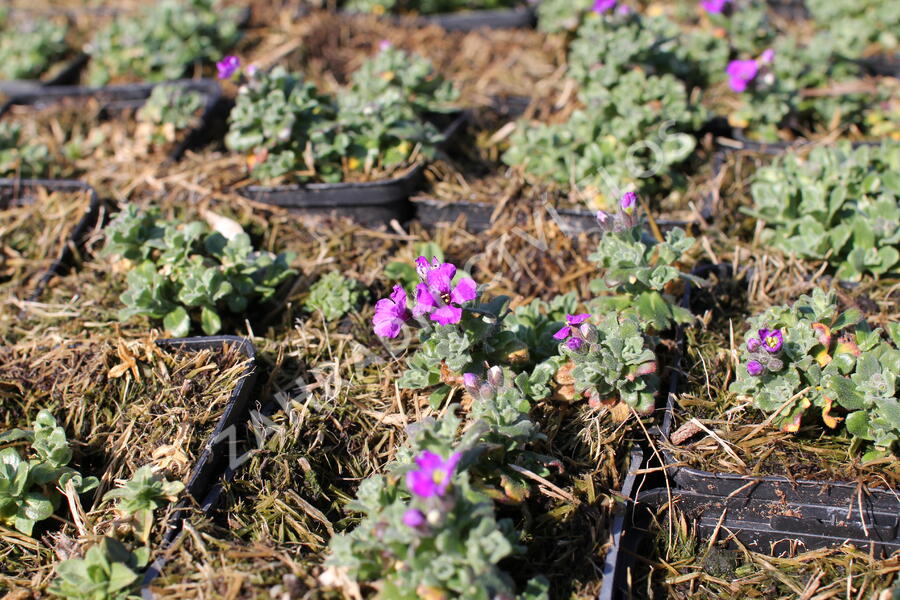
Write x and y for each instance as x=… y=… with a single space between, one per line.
x=228 y=66
x=754 y=367
x=741 y=73
x=414 y=518
x=753 y=344
x=602 y=218
x=432 y=478
x=627 y=202
x=602 y=6
x=436 y=296
x=772 y=339
x=623 y=9
x=384 y=45
x=470 y=380
x=391 y=313
x=714 y=6
x=571 y=322
x=767 y=56
x=574 y=344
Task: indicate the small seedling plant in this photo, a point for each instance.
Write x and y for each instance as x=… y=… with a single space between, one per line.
x=20 y=157
x=430 y=527
x=181 y=272
x=334 y=295
x=140 y=496
x=162 y=42
x=809 y=361
x=168 y=110
x=838 y=204
x=29 y=47
x=31 y=484
x=108 y=571
x=857 y=25
x=638 y=271
x=289 y=130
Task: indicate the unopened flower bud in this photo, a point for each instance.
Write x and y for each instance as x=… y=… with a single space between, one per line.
x=589 y=332
x=495 y=376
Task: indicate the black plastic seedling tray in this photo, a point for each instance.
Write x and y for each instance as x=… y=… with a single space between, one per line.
x=479 y=216
x=615 y=573
x=117 y=98
x=214 y=460
x=366 y=202
x=847 y=497
x=522 y=17
x=66 y=75
x=15 y=190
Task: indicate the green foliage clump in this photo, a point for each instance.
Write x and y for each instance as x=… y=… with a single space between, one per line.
x=289 y=129
x=838 y=204
x=163 y=41
x=334 y=295
x=857 y=24
x=141 y=495
x=561 y=15
x=615 y=362
x=20 y=158
x=456 y=550
x=108 y=571
x=28 y=49
x=831 y=361
x=28 y=486
x=425 y=7
x=183 y=271
x=169 y=109
x=636 y=270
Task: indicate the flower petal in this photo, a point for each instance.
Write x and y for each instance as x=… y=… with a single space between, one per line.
x=576 y=319
x=439 y=279
x=562 y=333
x=464 y=291
x=447 y=315
x=425 y=302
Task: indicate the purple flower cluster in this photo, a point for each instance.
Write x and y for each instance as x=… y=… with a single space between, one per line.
x=714 y=7
x=436 y=297
x=604 y=6
x=741 y=73
x=763 y=351
x=228 y=66
x=432 y=477
x=572 y=333
x=626 y=217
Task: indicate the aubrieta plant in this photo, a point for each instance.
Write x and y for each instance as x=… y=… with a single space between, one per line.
x=334 y=296
x=162 y=42
x=856 y=25
x=637 y=270
x=837 y=204
x=612 y=360
x=810 y=356
x=183 y=272
x=287 y=129
x=21 y=158
x=108 y=571
x=29 y=47
x=428 y=531
x=141 y=495
x=29 y=485
x=457 y=332
x=168 y=110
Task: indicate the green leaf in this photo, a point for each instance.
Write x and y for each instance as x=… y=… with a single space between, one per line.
x=858 y=424
x=178 y=322
x=210 y=321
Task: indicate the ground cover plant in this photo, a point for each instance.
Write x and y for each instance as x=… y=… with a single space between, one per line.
x=29 y=47
x=541 y=381
x=64 y=138
x=165 y=41
x=288 y=130
x=98 y=412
